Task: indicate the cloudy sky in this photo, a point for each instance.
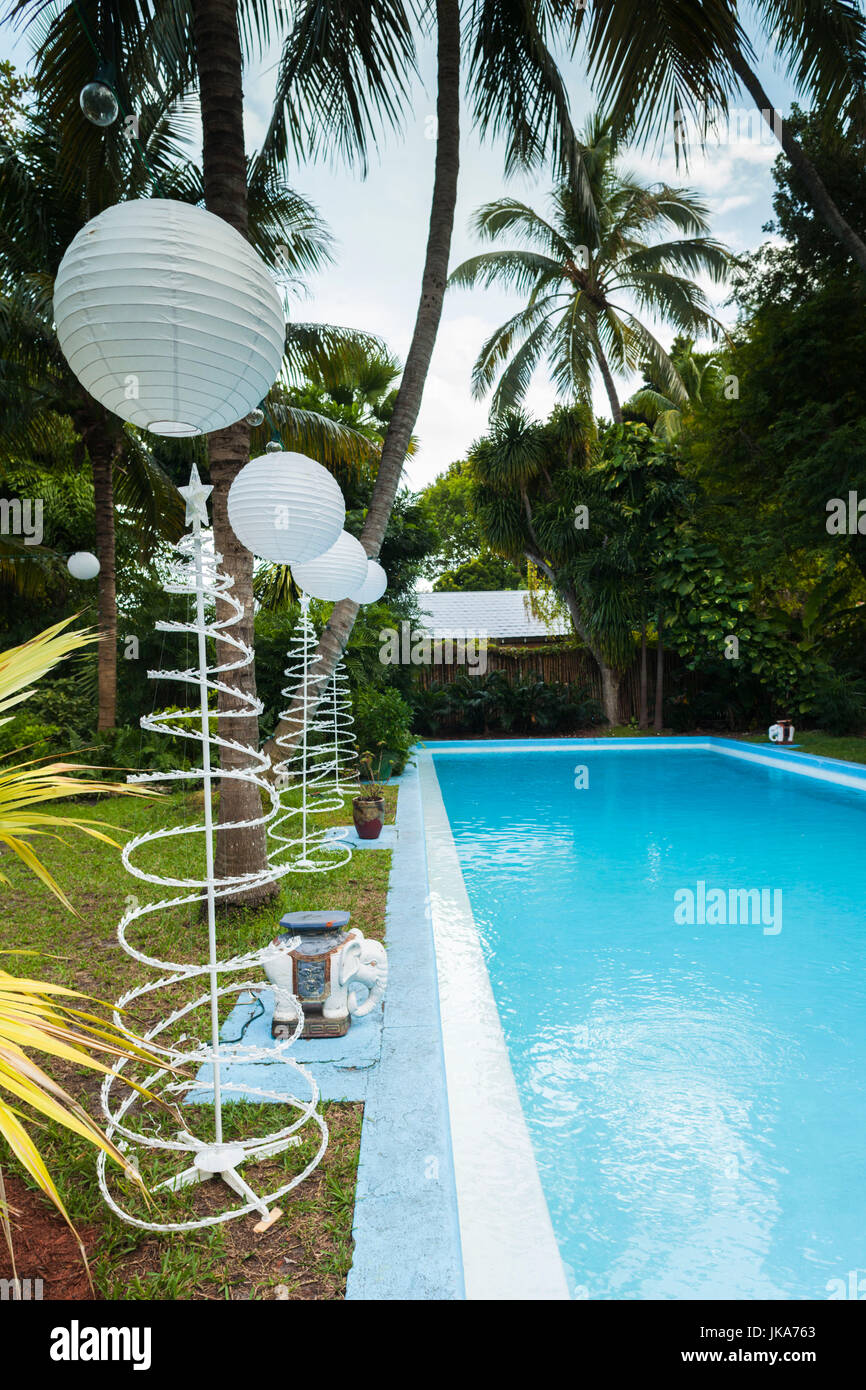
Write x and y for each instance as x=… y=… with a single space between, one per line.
x=380 y=227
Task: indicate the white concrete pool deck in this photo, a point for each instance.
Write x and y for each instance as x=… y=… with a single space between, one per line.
x=509 y=1249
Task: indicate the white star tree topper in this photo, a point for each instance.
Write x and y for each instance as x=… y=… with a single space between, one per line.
x=196 y=494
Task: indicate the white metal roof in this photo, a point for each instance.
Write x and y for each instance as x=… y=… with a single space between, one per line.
x=495 y=613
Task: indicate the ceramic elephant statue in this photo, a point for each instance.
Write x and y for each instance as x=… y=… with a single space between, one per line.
x=359 y=962
x=316 y=963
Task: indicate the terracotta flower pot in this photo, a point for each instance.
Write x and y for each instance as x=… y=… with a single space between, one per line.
x=368 y=813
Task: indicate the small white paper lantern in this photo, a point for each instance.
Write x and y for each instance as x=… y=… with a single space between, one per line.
x=83 y=565
x=168 y=317
x=373 y=586
x=286 y=508
x=337 y=573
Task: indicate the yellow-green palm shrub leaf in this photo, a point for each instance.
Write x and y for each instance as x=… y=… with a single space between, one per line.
x=33 y=1019
x=33 y=1016
x=28 y=784
x=21 y=666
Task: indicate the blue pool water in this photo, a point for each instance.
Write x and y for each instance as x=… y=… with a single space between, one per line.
x=696 y=1094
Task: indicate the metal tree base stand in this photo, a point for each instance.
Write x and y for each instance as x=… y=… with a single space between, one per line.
x=162 y=1127
x=308 y=769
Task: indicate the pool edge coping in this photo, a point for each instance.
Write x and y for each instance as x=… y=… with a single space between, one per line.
x=504 y=1258
x=838 y=771
x=405 y=1224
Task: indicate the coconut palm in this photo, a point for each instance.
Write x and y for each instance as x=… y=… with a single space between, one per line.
x=40 y=211
x=578 y=282
x=158 y=52
x=700 y=373
x=348 y=64
x=658 y=68
x=527 y=479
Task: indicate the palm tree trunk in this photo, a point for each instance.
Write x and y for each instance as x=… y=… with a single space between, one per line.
x=643 y=716
x=220 y=72
x=103 y=451
x=333 y=641
x=611 y=680
x=803 y=166
x=658 y=712
x=615 y=407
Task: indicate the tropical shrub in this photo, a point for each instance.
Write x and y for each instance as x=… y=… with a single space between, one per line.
x=33 y=1016
x=25 y=731
x=490 y=703
x=838 y=704
x=383 y=720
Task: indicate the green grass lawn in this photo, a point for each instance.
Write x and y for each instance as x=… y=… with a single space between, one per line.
x=851 y=747
x=309 y=1250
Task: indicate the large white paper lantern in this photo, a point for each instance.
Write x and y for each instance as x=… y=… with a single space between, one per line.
x=286 y=508
x=337 y=573
x=168 y=317
x=373 y=586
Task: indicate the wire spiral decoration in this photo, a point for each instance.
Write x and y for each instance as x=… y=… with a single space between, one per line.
x=308 y=769
x=208 y=1059
x=336 y=723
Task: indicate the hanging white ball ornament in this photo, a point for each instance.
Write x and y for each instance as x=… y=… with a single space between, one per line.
x=374 y=585
x=286 y=508
x=337 y=573
x=168 y=317
x=83 y=565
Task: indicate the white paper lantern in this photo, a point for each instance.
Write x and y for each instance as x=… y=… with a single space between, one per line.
x=83 y=565
x=286 y=508
x=168 y=317
x=373 y=586
x=337 y=573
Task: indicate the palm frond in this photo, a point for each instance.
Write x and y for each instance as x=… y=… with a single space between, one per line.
x=497 y=348
x=143 y=486
x=345 y=72
x=521 y=271
x=518 y=92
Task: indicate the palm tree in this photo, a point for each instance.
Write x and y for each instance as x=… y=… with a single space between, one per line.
x=346 y=61
x=643 y=499
x=158 y=52
x=527 y=479
x=363 y=381
x=40 y=211
x=654 y=66
x=577 y=281
x=700 y=373
x=345 y=64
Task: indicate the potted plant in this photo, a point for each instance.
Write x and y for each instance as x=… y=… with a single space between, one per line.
x=368 y=809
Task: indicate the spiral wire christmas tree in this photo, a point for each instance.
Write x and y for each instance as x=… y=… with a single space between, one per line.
x=305 y=776
x=210 y=1158
x=336 y=724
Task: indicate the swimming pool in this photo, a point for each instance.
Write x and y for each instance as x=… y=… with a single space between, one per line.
x=675 y=940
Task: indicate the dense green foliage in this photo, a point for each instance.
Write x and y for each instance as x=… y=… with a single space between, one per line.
x=490 y=704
